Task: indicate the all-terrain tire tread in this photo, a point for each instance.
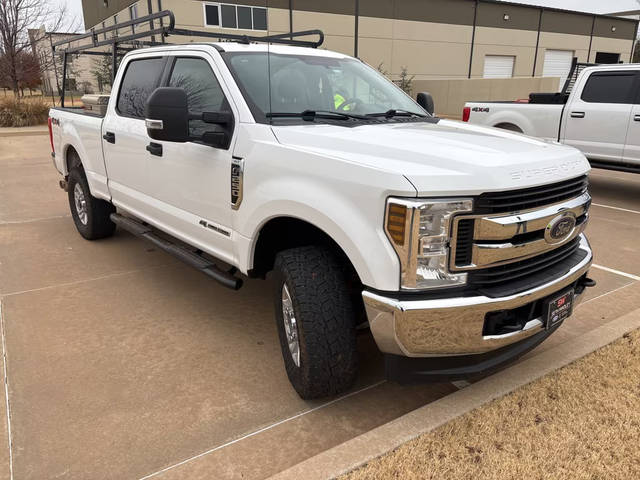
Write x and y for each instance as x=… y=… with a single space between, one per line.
x=325 y=313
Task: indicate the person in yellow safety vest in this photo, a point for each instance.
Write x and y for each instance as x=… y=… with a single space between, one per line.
x=338 y=100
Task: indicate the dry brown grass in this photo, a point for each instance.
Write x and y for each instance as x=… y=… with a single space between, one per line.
x=23 y=113
x=580 y=422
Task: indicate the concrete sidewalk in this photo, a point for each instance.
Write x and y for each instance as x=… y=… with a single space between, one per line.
x=375 y=443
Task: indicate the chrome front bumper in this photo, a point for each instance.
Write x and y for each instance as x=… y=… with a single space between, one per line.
x=454 y=326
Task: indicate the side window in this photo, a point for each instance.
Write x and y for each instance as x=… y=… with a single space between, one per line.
x=203 y=90
x=610 y=88
x=140 y=79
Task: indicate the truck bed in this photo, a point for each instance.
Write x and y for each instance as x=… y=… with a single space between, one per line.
x=534 y=119
x=79 y=111
x=83 y=130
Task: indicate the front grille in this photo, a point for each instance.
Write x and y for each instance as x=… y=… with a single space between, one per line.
x=526 y=274
x=529 y=198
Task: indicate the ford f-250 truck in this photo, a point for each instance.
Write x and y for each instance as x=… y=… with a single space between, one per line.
x=601 y=116
x=462 y=246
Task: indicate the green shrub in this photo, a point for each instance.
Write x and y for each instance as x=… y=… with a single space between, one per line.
x=23 y=113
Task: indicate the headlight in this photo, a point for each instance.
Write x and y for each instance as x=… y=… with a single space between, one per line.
x=419 y=231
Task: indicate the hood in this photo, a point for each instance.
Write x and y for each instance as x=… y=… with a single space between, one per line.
x=442 y=158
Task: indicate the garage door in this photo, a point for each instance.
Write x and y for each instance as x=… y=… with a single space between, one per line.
x=498 y=66
x=557 y=63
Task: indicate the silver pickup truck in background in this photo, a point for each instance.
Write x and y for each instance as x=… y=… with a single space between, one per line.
x=600 y=117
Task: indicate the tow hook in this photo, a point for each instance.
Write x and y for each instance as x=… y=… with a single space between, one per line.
x=64 y=185
x=584 y=283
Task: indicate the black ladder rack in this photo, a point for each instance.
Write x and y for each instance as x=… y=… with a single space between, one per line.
x=164 y=29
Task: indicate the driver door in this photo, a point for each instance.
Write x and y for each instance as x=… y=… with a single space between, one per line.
x=190 y=181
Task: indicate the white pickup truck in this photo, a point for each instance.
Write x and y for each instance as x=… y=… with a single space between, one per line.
x=462 y=246
x=601 y=116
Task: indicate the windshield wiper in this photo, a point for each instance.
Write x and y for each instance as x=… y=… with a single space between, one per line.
x=396 y=113
x=311 y=115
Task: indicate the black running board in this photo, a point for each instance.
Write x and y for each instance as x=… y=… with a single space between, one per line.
x=620 y=167
x=203 y=264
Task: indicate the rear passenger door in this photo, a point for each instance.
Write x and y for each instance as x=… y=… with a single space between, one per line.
x=632 y=147
x=598 y=120
x=125 y=135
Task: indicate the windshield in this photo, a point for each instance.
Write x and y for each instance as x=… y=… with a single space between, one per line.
x=302 y=83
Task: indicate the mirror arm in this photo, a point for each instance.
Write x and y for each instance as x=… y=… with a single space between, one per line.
x=217 y=118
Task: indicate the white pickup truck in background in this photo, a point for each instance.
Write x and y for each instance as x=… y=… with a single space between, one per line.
x=462 y=246
x=601 y=116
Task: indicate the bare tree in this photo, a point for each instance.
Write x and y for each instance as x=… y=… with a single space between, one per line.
x=16 y=18
x=102 y=72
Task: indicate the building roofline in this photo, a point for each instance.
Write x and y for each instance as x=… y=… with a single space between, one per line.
x=561 y=10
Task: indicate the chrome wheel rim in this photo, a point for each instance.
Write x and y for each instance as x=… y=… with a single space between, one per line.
x=81 y=204
x=290 y=325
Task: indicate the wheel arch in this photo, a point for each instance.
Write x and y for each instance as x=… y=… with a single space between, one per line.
x=283 y=232
x=71 y=158
x=512 y=127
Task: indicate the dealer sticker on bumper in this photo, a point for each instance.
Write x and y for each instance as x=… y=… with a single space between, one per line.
x=559 y=309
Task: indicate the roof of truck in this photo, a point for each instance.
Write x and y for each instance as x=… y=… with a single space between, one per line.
x=254 y=47
x=612 y=67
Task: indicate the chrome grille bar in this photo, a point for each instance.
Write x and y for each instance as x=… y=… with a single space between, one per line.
x=499 y=239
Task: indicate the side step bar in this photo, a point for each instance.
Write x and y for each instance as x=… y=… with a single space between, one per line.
x=203 y=264
x=624 y=167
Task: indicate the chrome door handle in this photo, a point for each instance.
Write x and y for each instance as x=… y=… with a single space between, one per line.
x=636 y=118
x=577 y=114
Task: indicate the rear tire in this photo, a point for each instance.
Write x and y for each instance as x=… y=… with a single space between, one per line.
x=314 y=308
x=90 y=214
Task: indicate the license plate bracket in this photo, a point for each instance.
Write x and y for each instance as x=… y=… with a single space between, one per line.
x=558 y=308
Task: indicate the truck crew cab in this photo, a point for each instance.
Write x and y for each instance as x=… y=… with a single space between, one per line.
x=462 y=246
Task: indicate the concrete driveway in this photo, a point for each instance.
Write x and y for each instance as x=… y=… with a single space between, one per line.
x=120 y=362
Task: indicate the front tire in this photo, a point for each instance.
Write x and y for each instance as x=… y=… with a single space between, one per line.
x=316 y=319
x=90 y=214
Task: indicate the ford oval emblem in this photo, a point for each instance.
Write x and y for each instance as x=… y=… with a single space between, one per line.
x=560 y=228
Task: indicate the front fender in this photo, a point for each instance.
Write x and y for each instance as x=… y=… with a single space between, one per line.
x=344 y=200
x=366 y=247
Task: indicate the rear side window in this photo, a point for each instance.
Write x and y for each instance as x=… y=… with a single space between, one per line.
x=140 y=79
x=610 y=88
x=203 y=90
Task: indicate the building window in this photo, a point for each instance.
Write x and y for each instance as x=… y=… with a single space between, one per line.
x=235 y=16
x=133 y=14
x=604 y=57
x=211 y=15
